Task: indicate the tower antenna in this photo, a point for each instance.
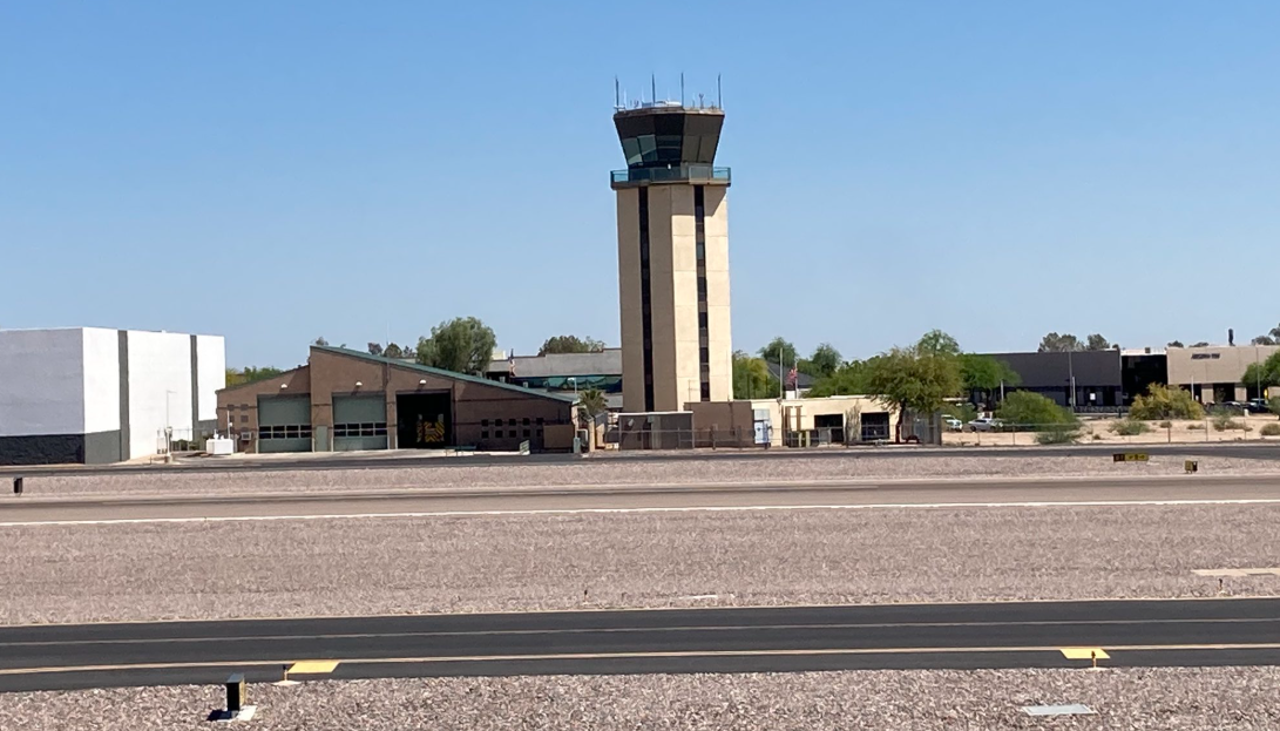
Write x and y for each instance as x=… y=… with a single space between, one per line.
x=617 y=94
x=682 y=88
x=719 y=94
x=653 y=89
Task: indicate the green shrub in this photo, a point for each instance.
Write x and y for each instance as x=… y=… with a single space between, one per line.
x=1274 y=405
x=1166 y=424
x=965 y=412
x=1162 y=402
x=1271 y=430
x=1193 y=427
x=1128 y=427
x=1024 y=410
x=1059 y=434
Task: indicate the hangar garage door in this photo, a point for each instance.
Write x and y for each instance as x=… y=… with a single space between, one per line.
x=284 y=424
x=359 y=422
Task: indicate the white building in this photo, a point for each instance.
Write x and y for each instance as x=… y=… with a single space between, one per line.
x=93 y=395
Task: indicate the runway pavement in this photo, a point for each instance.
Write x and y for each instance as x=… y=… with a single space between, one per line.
x=997 y=635
x=405 y=459
x=983 y=492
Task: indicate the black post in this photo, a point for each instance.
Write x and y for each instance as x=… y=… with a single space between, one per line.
x=235 y=693
x=17 y=486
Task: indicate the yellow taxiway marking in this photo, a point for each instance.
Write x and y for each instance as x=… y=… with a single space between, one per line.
x=313 y=667
x=1085 y=653
x=638 y=655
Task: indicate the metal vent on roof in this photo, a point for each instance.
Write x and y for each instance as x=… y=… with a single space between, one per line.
x=1075 y=709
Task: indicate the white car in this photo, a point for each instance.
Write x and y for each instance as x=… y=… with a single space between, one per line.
x=985 y=423
x=952 y=423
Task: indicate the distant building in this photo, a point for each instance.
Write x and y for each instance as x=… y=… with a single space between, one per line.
x=94 y=395
x=564 y=373
x=346 y=400
x=1087 y=379
x=1214 y=373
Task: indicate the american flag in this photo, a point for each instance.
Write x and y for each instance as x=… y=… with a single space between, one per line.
x=511 y=367
x=792 y=375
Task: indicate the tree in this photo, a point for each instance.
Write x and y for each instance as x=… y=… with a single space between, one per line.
x=462 y=345
x=570 y=344
x=824 y=361
x=919 y=378
x=375 y=349
x=751 y=378
x=250 y=375
x=1201 y=344
x=936 y=342
x=591 y=403
x=1271 y=338
x=396 y=352
x=1097 y=342
x=986 y=374
x=321 y=341
x=1175 y=344
x=847 y=380
x=1162 y=402
x=1265 y=374
x=770 y=352
x=1029 y=411
x=1055 y=343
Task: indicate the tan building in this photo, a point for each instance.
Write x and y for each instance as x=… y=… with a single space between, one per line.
x=793 y=422
x=1213 y=373
x=346 y=400
x=673 y=258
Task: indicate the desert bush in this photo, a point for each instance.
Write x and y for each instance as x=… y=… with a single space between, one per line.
x=1225 y=421
x=1163 y=402
x=1271 y=430
x=1027 y=410
x=1129 y=427
x=1194 y=427
x=1059 y=434
x=1274 y=405
x=1166 y=424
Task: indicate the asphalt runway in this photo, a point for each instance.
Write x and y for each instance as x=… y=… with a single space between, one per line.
x=995 y=635
x=481 y=501
x=399 y=459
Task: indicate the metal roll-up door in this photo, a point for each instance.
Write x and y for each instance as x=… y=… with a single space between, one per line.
x=284 y=423
x=359 y=422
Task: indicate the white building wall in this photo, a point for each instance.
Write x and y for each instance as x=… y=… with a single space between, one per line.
x=211 y=362
x=101 y=379
x=41 y=382
x=159 y=389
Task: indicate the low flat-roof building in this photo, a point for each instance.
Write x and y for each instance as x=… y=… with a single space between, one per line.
x=1095 y=375
x=345 y=400
x=1214 y=373
x=565 y=373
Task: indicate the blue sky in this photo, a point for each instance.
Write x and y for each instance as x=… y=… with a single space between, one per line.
x=278 y=171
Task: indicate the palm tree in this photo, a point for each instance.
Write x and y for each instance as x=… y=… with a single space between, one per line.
x=591 y=403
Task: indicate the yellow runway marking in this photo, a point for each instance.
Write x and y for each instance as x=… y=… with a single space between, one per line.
x=1085 y=653
x=641 y=655
x=313 y=667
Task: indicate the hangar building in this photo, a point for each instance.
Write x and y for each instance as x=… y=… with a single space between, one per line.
x=94 y=395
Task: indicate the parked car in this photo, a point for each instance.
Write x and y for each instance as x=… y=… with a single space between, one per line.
x=1258 y=406
x=1232 y=407
x=952 y=423
x=986 y=423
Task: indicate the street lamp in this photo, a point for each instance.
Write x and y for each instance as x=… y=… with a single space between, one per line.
x=574 y=381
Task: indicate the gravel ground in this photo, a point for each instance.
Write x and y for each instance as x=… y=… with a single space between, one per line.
x=486 y=563
x=631 y=472
x=1170 y=699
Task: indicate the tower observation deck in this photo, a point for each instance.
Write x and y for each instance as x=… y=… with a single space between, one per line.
x=673 y=257
x=669 y=142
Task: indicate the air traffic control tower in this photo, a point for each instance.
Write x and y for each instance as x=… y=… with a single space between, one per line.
x=673 y=257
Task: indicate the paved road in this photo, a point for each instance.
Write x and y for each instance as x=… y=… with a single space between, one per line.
x=1001 y=635
x=390 y=460
x=984 y=492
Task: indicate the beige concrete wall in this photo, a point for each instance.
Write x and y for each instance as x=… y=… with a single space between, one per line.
x=629 y=298
x=719 y=325
x=1215 y=364
x=673 y=268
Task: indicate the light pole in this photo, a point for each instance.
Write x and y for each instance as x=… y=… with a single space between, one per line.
x=574 y=381
x=168 y=425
